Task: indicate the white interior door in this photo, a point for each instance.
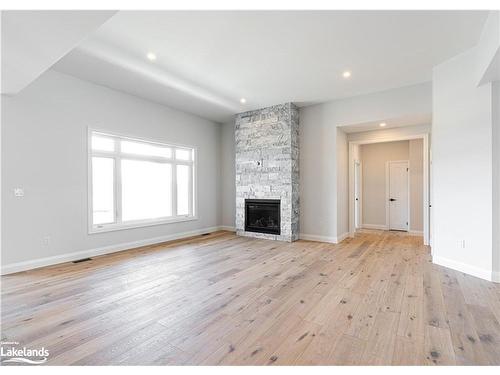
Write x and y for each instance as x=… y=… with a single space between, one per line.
x=398 y=195
x=357 y=194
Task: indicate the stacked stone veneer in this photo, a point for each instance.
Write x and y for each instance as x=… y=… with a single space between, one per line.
x=267 y=165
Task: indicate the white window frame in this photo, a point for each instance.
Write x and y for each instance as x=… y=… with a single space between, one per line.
x=117 y=155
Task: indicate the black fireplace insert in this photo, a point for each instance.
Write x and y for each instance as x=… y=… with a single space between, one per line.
x=263 y=216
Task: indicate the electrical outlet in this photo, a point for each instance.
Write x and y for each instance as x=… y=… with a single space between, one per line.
x=461 y=244
x=46 y=241
x=18 y=192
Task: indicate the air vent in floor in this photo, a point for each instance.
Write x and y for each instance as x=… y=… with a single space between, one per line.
x=82 y=260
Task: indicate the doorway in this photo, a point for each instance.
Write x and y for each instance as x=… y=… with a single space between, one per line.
x=355 y=216
x=397 y=203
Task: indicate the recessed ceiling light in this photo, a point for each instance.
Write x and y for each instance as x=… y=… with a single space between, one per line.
x=382 y=124
x=243 y=100
x=151 y=56
x=346 y=74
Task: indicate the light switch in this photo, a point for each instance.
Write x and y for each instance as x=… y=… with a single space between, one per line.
x=19 y=192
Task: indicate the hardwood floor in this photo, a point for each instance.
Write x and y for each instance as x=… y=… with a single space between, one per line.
x=221 y=299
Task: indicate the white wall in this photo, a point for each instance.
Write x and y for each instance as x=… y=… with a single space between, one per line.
x=318 y=173
x=496 y=177
x=44 y=150
x=228 y=184
x=342 y=185
x=384 y=135
x=462 y=167
x=488 y=48
x=384 y=105
x=416 y=155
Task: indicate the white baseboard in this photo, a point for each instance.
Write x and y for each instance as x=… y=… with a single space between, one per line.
x=49 y=261
x=342 y=237
x=228 y=228
x=466 y=268
x=385 y=227
x=374 y=226
x=495 y=277
x=314 y=237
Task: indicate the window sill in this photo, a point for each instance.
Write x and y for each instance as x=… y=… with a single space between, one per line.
x=139 y=224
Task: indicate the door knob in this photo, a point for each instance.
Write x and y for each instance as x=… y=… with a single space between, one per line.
x=392 y=199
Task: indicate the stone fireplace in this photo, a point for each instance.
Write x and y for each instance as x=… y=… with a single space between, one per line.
x=267 y=173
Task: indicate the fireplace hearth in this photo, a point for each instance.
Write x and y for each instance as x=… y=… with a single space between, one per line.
x=263 y=216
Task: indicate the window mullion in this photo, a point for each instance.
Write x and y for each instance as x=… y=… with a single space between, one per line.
x=174 y=189
x=90 y=185
x=145 y=158
x=184 y=162
x=190 y=191
x=118 y=182
x=193 y=185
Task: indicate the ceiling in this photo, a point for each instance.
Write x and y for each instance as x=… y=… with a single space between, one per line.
x=206 y=61
x=32 y=41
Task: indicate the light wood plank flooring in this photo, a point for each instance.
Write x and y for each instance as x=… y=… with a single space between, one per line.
x=222 y=299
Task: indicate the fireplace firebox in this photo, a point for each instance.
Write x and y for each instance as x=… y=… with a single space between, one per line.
x=263 y=216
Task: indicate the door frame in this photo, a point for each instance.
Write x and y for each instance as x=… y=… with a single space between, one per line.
x=388 y=138
x=388 y=190
x=360 y=189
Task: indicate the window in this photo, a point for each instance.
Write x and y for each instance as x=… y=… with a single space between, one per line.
x=134 y=182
